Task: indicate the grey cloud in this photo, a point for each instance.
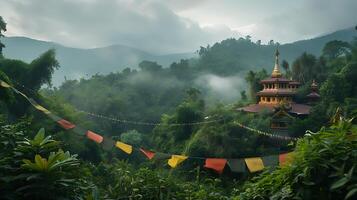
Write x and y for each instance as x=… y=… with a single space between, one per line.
x=147 y=25
x=309 y=19
x=171 y=26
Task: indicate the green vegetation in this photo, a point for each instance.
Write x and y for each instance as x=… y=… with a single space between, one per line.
x=323 y=168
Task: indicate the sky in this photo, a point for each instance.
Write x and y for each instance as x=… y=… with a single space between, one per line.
x=173 y=26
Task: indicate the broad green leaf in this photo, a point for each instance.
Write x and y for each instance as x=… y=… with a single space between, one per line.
x=351 y=193
x=339 y=183
x=39 y=136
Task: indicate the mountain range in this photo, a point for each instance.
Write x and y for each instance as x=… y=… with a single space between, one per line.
x=76 y=63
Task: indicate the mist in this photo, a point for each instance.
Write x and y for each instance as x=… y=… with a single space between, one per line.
x=219 y=89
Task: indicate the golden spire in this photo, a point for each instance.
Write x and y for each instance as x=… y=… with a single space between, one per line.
x=276 y=71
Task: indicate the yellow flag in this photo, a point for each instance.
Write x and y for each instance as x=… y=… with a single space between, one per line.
x=125 y=147
x=4 y=84
x=38 y=107
x=176 y=160
x=254 y=164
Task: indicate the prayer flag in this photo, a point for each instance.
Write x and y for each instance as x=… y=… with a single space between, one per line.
x=285 y=159
x=147 y=153
x=95 y=137
x=44 y=110
x=65 y=124
x=38 y=106
x=176 y=160
x=216 y=164
x=254 y=164
x=125 y=147
x=237 y=165
x=272 y=160
x=4 y=84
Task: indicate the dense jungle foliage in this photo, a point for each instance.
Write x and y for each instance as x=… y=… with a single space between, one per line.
x=58 y=164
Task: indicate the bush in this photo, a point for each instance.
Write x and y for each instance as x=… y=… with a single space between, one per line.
x=37 y=168
x=324 y=167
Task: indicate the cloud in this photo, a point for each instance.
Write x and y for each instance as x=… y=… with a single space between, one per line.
x=307 y=20
x=221 y=89
x=144 y=24
x=172 y=26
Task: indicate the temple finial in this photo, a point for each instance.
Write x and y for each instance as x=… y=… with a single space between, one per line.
x=276 y=71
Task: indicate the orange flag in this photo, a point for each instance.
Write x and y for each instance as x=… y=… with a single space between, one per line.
x=65 y=124
x=285 y=158
x=147 y=153
x=95 y=137
x=216 y=164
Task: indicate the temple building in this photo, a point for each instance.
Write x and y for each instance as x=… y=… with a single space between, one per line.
x=277 y=97
x=314 y=96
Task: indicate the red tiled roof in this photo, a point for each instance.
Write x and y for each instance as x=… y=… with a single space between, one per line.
x=299 y=109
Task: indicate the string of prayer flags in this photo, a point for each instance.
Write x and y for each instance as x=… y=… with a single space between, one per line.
x=237 y=165
x=147 y=153
x=272 y=160
x=285 y=159
x=65 y=124
x=216 y=164
x=124 y=147
x=176 y=160
x=95 y=137
x=254 y=164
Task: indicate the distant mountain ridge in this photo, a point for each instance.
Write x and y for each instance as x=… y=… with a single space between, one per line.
x=76 y=63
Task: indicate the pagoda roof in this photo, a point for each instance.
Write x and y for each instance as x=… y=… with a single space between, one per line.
x=275 y=80
x=276 y=92
x=313 y=95
x=294 y=83
x=298 y=109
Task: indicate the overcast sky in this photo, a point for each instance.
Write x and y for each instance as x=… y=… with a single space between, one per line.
x=172 y=26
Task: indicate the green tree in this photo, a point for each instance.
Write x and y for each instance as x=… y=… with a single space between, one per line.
x=149 y=66
x=336 y=48
x=2 y=29
x=253 y=79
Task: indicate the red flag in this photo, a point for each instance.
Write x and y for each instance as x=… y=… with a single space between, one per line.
x=65 y=124
x=95 y=137
x=216 y=164
x=285 y=159
x=148 y=154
